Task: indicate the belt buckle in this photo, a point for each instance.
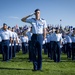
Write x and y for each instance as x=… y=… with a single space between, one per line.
x=37 y=34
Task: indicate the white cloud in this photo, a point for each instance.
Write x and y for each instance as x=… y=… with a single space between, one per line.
x=13 y=17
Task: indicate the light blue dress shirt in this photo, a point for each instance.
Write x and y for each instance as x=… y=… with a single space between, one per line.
x=14 y=35
x=24 y=39
x=48 y=38
x=37 y=25
x=0 y=39
x=5 y=34
x=73 y=38
x=68 y=39
x=56 y=37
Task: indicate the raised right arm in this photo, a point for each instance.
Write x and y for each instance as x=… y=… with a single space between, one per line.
x=24 y=18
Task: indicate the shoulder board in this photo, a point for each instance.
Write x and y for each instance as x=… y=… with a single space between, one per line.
x=33 y=18
x=42 y=19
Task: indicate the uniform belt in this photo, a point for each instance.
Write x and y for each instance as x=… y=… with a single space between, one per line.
x=5 y=40
x=37 y=34
x=56 y=41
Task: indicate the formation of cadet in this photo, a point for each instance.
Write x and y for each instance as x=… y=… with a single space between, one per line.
x=35 y=39
x=9 y=42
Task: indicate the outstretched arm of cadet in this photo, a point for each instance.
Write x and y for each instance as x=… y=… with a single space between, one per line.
x=24 y=18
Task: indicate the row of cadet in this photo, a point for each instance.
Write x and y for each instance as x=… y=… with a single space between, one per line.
x=59 y=41
x=56 y=42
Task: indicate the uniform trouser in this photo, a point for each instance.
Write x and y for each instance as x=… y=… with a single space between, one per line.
x=10 y=52
x=0 y=48
x=14 y=50
x=73 y=51
x=50 y=50
x=5 y=50
x=56 y=52
x=69 y=48
x=30 y=50
x=17 y=48
x=37 y=48
x=64 y=48
x=24 y=48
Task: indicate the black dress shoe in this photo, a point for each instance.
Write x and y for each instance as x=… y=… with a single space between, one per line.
x=40 y=70
x=34 y=70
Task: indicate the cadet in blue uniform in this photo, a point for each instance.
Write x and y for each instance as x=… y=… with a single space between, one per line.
x=24 y=40
x=50 y=52
x=18 y=45
x=64 y=42
x=0 y=46
x=10 y=46
x=0 y=43
x=73 y=44
x=39 y=32
x=69 y=44
x=14 y=38
x=57 y=36
x=48 y=43
x=6 y=37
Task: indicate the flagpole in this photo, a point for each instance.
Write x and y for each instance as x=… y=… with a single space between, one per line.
x=60 y=22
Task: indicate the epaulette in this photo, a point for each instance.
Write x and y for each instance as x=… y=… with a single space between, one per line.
x=33 y=18
x=42 y=19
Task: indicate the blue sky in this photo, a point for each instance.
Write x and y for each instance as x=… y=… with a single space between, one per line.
x=11 y=11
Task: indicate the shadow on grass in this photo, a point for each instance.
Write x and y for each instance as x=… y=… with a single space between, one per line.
x=68 y=60
x=19 y=59
x=5 y=68
x=63 y=59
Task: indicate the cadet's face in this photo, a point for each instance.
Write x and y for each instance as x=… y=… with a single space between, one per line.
x=5 y=27
x=13 y=30
x=74 y=31
x=37 y=13
x=57 y=30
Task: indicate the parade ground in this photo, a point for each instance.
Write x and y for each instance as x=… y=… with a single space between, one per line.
x=21 y=66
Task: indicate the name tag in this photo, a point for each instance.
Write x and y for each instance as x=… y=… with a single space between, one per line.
x=41 y=23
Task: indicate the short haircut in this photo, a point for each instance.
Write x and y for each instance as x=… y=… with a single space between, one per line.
x=37 y=10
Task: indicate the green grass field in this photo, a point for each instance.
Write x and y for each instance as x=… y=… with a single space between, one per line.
x=20 y=66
